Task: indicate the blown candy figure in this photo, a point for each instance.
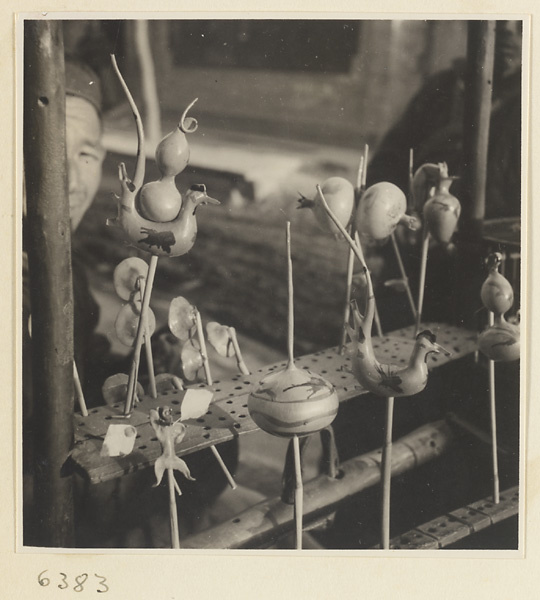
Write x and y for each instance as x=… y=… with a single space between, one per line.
x=293 y=403
x=500 y=341
x=153 y=216
x=385 y=380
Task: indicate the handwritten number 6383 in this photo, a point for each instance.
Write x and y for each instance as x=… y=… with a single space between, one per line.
x=99 y=586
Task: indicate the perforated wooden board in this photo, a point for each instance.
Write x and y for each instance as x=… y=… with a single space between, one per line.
x=458 y=524
x=228 y=416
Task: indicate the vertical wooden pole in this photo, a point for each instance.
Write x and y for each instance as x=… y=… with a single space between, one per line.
x=466 y=276
x=51 y=291
x=476 y=117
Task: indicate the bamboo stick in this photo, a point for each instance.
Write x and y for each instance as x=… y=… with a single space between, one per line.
x=148 y=346
x=298 y=494
x=239 y=358
x=79 y=391
x=132 y=382
x=223 y=466
x=387 y=475
x=422 y=282
x=173 y=488
x=493 y=415
x=202 y=344
x=404 y=277
x=49 y=263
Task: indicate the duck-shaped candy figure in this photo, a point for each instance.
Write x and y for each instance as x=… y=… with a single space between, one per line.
x=153 y=216
x=339 y=194
x=501 y=340
x=388 y=380
x=382 y=207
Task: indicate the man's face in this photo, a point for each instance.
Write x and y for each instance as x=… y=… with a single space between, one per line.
x=84 y=156
x=508 y=47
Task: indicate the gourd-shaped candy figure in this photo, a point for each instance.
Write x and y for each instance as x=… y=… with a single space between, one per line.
x=382 y=206
x=153 y=216
x=501 y=340
x=160 y=200
x=442 y=209
x=293 y=402
x=339 y=194
x=496 y=293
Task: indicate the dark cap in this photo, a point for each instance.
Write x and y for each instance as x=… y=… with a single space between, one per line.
x=82 y=81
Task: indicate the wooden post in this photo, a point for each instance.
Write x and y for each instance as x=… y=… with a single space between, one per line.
x=466 y=276
x=51 y=291
x=476 y=117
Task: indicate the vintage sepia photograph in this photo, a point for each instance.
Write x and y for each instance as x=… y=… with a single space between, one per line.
x=271 y=284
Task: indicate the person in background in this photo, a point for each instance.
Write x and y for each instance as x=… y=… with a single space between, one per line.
x=432 y=125
x=121 y=513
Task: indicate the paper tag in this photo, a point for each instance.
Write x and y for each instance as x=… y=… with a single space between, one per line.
x=195 y=403
x=119 y=440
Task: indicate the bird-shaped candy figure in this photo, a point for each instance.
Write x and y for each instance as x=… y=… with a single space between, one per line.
x=153 y=216
x=387 y=380
x=169 y=433
x=382 y=207
x=339 y=194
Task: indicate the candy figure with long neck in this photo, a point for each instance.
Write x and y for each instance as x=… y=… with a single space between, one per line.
x=153 y=216
x=385 y=380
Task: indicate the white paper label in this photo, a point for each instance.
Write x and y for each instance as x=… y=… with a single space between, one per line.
x=195 y=403
x=119 y=440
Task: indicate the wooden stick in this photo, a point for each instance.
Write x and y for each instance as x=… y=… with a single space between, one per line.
x=422 y=282
x=290 y=328
x=387 y=475
x=410 y=199
x=202 y=343
x=364 y=175
x=298 y=494
x=132 y=383
x=376 y=317
x=493 y=424
x=404 y=277
x=223 y=466
x=239 y=358
x=148 y=346
x=79 y=391
x=360 y=186
x=347 y=308
x=175 y=535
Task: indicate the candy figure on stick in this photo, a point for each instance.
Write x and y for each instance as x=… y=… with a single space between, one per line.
x=385 y=380
x=225 y=342
x=500 y=341
x=340 y=196
x=441 y=214
x=381 y=209
x=153 y=216
x=293 y=403
x=169 y=433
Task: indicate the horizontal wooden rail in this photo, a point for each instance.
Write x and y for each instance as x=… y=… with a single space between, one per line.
x=259 y=525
